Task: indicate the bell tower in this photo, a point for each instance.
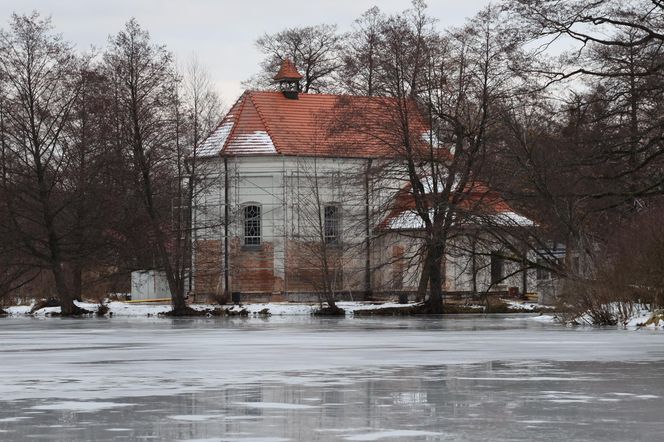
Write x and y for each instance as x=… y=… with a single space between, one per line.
x=289 y=79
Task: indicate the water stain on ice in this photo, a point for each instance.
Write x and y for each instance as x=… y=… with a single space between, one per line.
x=273 y=405
x=195 y=417
x=241 y=439
x=524 y=379
x=241 y=418
x=342 y=430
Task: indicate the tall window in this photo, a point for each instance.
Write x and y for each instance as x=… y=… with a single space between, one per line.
x=497 y=268
x=252 y=225
x=542 y=272
x=331 y=226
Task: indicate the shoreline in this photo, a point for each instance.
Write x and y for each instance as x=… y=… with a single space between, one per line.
x=352 y=308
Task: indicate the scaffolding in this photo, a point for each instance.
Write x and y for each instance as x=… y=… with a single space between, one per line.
x=285 y=192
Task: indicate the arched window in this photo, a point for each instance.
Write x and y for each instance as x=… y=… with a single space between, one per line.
x=332 y=219
x=252 y=225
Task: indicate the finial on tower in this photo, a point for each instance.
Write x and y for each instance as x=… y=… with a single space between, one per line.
x=289 y=79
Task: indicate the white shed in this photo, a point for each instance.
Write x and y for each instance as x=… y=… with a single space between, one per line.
x=149 y=284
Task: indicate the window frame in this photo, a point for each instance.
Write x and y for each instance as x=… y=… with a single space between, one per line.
x=332 y=224
x=256 y=240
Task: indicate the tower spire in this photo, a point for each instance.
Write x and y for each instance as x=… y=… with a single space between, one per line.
x=289 y=79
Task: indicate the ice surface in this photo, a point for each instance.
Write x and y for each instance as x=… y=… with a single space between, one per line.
x=301 y=378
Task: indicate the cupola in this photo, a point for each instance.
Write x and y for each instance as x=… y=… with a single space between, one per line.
x=289 y=79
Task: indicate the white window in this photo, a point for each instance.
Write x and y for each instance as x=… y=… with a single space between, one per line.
x=332 y=224
x=252 y=225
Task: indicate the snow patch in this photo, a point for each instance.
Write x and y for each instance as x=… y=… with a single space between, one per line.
x=80 y=406
x=14 y=419
x=543 y=318
x=391 y=434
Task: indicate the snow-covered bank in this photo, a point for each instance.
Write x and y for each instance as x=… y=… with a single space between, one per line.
x=116 y=308
x=634 y=316
x=647 y=319
x=127 y=309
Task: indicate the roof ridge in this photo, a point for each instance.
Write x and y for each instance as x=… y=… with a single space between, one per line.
x=327 y=94
x=264 y=121
x=237 y=120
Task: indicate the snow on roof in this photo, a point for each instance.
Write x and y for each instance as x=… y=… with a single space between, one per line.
x=406 y=220
x=257 y=142
x=480 y=204
x=440 y=183
x=213 y=144
x=266 y=122
x=410 y=220
x=513 y=219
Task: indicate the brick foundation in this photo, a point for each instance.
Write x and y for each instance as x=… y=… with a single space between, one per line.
x=209 y=267
x=252 y=268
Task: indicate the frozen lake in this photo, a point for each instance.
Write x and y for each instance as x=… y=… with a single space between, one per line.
x=306 y=379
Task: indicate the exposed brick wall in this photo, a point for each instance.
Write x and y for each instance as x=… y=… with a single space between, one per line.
x=209 y=267
x=252 y=269
x=303 y=266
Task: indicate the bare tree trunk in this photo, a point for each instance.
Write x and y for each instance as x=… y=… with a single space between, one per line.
x=424 y=279
x=436 y=279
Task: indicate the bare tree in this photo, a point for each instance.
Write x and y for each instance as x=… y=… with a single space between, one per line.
x=329 y=213
x=202 y=109
x=41 y=82
x=446 y=93
x=148 y=115
x=600 y=22
x=359 y=73
x=585 y=150
x=313 y=49
x=203 y=106
x=615 y=64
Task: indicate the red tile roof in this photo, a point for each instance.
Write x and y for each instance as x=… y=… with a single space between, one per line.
x=477 y=201
x=287 y=71
x=314 y=124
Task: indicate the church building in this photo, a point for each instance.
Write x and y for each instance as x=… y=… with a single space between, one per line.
x=288 y=206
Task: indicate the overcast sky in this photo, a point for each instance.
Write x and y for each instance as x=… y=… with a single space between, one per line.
x=220 y=32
